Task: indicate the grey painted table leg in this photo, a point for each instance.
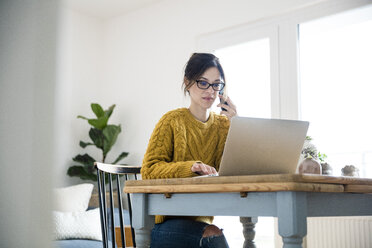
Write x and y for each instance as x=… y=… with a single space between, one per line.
x=292 y=212
x=249 y=224
x=142 y=222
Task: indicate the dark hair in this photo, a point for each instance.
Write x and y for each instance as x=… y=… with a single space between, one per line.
x=197 y=65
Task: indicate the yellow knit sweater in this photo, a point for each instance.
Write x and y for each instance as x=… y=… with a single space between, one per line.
x=178 y=141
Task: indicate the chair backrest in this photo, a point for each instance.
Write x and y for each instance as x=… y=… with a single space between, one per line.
x=107 y=173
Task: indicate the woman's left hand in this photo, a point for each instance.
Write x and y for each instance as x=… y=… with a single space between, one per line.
x=230 y=108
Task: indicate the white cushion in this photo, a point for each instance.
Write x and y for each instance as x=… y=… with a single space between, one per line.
x=77 y=225
x=72 y=199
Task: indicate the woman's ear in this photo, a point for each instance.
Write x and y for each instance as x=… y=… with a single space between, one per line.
x=187 y=84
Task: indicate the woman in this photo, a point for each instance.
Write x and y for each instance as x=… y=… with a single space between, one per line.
x=188 y=142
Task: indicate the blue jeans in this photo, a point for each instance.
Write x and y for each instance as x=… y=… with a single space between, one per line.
x=184 y=233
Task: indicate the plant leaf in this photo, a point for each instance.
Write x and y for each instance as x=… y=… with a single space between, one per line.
x=87 y=162
x=85 y=144
x=99 y=123
x=82 y=117
x=97 y=109
x=79 y=171
x=110 y=134
x=109 y=111
x=97 y=137
x=89 y=168
x=84 y=159
x=121 y=156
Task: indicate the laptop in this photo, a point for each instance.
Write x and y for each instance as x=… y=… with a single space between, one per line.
x=262 y=146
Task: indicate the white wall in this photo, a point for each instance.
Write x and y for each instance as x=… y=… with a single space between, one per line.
x=143 y=55
x=80 y=48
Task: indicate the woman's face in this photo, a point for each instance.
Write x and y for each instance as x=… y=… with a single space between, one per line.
x=204 y=98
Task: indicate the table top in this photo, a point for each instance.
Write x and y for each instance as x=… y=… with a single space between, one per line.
x=251 y=183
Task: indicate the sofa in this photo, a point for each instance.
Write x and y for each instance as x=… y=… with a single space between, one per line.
x=78 y=243
x=77 y=219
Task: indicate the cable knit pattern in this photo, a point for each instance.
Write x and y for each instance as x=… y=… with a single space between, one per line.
x=178 y=141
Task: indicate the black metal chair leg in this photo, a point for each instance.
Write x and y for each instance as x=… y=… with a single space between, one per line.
x=112 y=212
x=105 y=207
x=122 y=227
x=101 y=212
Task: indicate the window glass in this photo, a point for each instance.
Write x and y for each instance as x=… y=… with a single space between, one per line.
x=247 y=70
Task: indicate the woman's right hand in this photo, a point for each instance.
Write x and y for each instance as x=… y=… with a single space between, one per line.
x=203 y=169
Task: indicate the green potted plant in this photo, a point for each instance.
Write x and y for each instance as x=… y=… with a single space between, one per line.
x=103 y=136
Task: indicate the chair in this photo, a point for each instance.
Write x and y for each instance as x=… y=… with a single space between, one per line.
x=106 y=173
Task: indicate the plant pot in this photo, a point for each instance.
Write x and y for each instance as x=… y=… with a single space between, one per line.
x=326 y=169
x=310 y=166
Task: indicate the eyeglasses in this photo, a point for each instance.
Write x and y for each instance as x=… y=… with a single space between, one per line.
x=205 y=85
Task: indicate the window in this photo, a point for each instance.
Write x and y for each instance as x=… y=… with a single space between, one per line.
x=298 y=66
x=336 y=86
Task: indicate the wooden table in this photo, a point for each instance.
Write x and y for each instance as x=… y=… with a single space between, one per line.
x=292 y=198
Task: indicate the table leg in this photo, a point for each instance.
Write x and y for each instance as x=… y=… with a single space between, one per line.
x=292 y=212
x=249 y=224
x=142 y=222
